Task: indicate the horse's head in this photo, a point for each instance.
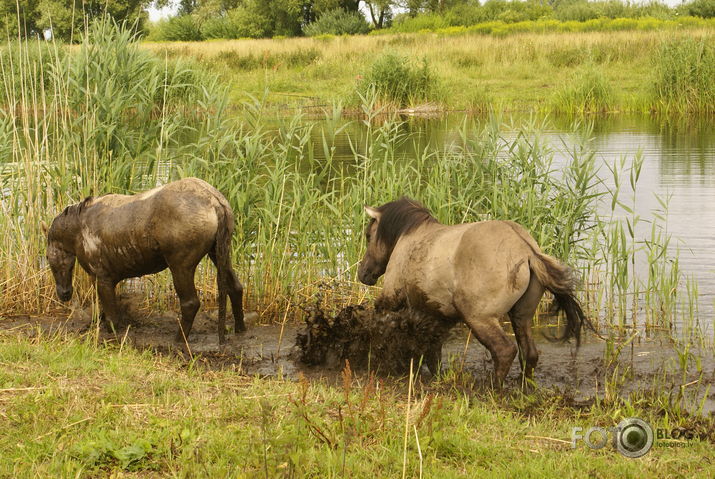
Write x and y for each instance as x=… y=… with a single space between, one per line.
x=60 y=255
x=387 y=224
x=377 y=255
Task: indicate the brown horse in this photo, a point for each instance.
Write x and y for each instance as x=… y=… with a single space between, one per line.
x=474 y=272
x=114 y=237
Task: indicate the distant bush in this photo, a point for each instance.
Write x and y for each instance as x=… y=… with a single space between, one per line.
x=579 y=12
x=396 y=79
x=684 y=72
x=184 y=28
x=338 y=22
x=699 y=8
x=427 y=21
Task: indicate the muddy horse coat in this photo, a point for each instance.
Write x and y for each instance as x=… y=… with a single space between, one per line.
x=474 y=272
x=114 y=237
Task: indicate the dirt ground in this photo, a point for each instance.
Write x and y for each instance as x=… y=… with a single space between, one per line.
x=270 y=350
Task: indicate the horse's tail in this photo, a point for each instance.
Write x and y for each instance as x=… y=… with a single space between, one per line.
x=561 y=281
x=224 y=235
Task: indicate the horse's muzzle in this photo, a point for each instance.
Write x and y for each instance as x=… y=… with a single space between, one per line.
x=65 y=294
x=368 y=279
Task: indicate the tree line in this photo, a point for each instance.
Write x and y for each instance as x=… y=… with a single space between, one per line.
x=205 y=19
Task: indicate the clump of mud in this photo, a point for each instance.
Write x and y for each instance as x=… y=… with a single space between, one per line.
x=383 y=341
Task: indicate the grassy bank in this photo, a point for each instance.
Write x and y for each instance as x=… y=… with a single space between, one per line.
x=75 y=409
x=525 y=71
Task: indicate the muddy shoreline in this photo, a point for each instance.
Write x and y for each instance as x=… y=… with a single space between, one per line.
x=270 y=350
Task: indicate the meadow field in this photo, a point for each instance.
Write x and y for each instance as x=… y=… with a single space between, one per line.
x=114 y=115
x=592 y=71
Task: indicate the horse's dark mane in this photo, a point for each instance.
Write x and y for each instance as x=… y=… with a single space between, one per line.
x=399 y=217
x=67 y=217
x=77 y=208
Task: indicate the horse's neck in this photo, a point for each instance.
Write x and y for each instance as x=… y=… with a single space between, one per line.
x=69 y=229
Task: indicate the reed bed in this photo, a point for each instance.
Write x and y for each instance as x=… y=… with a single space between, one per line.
x=108 y=117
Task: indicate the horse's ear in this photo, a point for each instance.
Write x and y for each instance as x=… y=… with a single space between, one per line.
x=372 y=212
x=44 y=227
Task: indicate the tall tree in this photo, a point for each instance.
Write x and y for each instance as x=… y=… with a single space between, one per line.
x=65 y=18
x=380 y=12
x=23 y=21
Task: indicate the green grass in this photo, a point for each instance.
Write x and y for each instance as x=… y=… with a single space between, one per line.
x=517 y=72
x=75 y=409
x=394 y=79
x=588 y=91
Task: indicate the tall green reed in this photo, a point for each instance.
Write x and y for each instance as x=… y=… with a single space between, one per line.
x=115 y=119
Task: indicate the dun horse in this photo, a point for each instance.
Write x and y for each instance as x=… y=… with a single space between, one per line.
x=474 y=272
x=114 y=237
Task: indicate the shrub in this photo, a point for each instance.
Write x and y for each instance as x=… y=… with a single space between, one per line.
x=396 y=79
x=699 y=8
x=338 y=22
x=427 y=21
x=184 y=28
x=219 y=27
x=579 y=12
x=248 y=23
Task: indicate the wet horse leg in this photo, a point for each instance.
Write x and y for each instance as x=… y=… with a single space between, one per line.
x=235 y=292
x=522 y=315
x=110 y=314
x=490 y=333
x=183 y=277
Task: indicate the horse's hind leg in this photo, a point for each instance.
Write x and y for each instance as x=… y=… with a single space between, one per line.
x=490 y=333
x=186 y=290
x=235 y=292
x=522 y=315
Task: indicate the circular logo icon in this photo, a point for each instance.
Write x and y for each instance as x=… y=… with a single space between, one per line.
x=635 y=437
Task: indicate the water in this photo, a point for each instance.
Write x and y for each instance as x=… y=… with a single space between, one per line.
x=678 y=166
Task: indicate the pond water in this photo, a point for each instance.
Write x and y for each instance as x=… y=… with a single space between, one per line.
x=678 y=165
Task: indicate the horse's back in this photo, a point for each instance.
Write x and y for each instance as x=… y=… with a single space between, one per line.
x=492 y=265
x=183 y=213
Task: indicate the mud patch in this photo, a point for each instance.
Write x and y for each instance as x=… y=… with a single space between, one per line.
x=644 y=364
x=382 y=341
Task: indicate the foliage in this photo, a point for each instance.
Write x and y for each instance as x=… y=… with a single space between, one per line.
x=338 y=22
x=28 y=15
x=67 y=18
x=699 y=8
x=183 y=28
x=396 y=79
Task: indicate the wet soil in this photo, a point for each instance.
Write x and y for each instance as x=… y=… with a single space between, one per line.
x=643 y=364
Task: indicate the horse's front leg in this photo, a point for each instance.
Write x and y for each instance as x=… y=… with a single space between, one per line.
x=388 y=301
x=110 y=313
x=188 y=299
